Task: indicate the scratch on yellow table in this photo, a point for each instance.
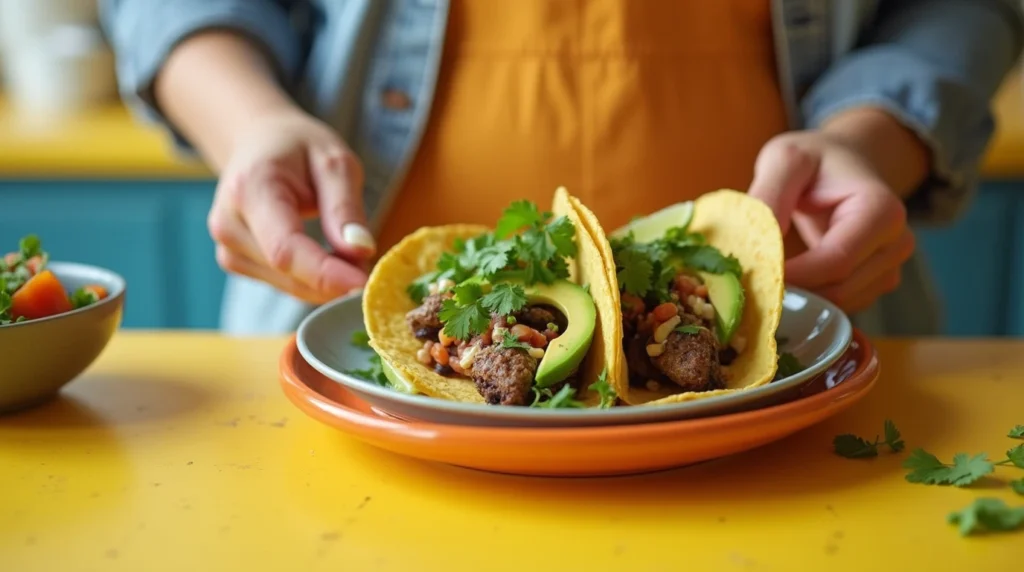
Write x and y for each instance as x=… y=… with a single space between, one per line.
x=179 y=451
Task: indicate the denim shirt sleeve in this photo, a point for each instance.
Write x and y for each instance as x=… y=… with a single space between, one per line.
x=935 y=65
x=143 y=32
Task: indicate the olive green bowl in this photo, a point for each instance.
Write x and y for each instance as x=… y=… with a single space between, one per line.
x=39 y=357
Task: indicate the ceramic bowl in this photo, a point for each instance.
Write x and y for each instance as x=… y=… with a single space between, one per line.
x=813 y=329
x=41 y=356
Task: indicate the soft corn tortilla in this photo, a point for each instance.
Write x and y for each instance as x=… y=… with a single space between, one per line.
x=385 y=304
x=736 y=224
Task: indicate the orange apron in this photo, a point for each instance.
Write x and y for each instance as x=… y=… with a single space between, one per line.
x=630 y=104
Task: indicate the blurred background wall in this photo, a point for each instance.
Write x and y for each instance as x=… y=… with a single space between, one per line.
x=99 y=188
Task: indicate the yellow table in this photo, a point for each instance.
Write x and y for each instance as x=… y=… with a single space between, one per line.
x=178 y=451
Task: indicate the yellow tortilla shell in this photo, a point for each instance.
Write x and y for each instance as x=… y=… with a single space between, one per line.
x=736 y=224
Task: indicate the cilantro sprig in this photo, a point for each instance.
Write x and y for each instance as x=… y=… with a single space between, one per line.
x=1017 y=432
x=375 y=371
x=986 y=515
x=854 y=447
x=508 y=341
x=468 y=311
x=646 y=269
x=604 y=389
x=564 y=398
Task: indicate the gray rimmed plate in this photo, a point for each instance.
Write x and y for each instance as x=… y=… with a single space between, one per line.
x=813 y=329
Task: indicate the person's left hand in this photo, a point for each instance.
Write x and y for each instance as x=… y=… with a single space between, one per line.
x=854 y=225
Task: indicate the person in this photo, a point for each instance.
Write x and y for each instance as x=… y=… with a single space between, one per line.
x=336 y=128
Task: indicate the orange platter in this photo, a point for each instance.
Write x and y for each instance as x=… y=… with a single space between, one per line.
x=583 y=451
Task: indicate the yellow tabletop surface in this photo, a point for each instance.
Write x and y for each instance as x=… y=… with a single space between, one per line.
x=108 y=142
x=179 y=451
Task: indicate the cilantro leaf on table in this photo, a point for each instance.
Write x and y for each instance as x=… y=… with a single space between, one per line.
x=504 y=299
x=508 y=341
x=1015 y=456
x=603 y=389
x=1017 y=486
x=563 y=399
x=854 y=447
x=927 y=469
x=892 y=437
x=986 y=515
x=1017 y=432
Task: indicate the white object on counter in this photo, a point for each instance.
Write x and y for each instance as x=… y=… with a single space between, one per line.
x=65 y=69
x=24 y=20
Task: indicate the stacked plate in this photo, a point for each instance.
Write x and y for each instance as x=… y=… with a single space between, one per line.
x=839 y=367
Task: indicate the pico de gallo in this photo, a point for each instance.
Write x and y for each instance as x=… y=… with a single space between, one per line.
x=30 y=291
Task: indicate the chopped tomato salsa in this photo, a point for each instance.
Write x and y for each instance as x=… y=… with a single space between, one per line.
x=29 y=291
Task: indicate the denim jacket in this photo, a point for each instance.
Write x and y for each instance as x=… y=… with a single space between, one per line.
x=934 y=64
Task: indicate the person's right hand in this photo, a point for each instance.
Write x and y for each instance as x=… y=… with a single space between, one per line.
x=284 y=168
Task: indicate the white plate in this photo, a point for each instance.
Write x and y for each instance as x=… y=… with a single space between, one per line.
x=812 y=329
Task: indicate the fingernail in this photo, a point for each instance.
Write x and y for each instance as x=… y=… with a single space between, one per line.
x=358 y=235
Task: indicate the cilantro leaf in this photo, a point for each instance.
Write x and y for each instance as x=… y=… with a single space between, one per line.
x=928 y=469
x=462 y=321
x=563 y=399
x=603 y=389
x=361 y=339
x=494 y=258
x=987 y=515
x=509 y=341
x=420 y=287
x=1017 y=432
x=689 y=329
x=5 y=308
x=1016 y=456
x=892 y=437
x=374 y=373
x=788 y=365
x=710 y=259
x=504 y=299
x=1018 y=486
x=30 y=246
x=635 y=271
x=562 y=234
x=516 y=216
x=853 y=447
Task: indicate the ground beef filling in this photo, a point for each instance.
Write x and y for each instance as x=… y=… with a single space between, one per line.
x=423 y=320
x=658 y=353
x=503 y=376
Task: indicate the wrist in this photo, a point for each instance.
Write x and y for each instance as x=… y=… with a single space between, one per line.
x=901 y=159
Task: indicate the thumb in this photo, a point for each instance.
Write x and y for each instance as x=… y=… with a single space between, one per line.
x=338 y=178
x=782 y=172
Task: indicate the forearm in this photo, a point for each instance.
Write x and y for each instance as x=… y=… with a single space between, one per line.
x=212 y=85
x=900 y=157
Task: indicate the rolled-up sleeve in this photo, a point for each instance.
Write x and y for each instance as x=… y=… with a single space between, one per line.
x=142 y=34
x=935 y=65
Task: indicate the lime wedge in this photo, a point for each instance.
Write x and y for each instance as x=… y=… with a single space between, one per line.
x=654 y=225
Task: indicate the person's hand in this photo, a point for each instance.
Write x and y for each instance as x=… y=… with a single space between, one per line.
x=853 y=224
x=287 y=167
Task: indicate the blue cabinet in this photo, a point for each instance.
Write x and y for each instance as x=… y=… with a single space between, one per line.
x=154 y=234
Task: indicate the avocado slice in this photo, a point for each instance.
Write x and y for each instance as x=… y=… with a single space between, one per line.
x=654 y=225
x=726 y=294
x=565 y=353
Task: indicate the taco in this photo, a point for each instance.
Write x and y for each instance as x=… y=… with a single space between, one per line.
x=697 y=289
x=496 y=316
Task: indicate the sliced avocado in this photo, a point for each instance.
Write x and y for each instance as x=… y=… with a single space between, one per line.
x=563 y=355
x=654 y=225
x=726 y=294
x=398 y=383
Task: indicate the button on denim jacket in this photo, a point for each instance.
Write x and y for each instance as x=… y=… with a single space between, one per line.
x=934 y=64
